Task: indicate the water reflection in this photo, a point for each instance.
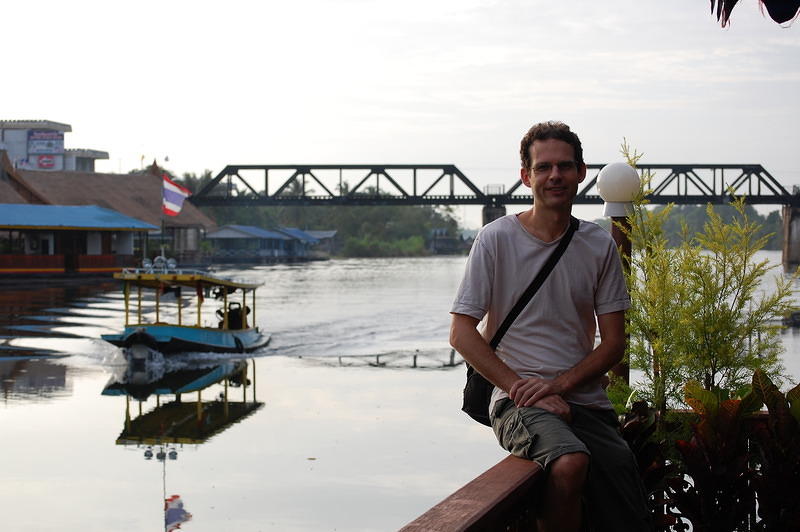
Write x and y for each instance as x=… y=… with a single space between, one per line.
x=164 y=429
x=32 y=379
x=54 y=319
x=182 y=421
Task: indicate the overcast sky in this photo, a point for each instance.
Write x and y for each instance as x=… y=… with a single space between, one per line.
x=356 y=81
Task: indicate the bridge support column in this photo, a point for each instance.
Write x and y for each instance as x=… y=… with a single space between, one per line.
x=791 y=238
x=493 y=212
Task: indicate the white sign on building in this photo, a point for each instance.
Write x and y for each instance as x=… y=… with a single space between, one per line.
x=45 y=142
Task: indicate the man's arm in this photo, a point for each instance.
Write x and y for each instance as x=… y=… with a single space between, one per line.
x=465 y=338
x=606 y=355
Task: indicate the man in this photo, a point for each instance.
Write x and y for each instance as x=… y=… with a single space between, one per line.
x=548 y=404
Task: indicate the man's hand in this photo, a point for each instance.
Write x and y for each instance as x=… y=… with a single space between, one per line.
x=540 y=393
x=556 y=405
x=527 y=392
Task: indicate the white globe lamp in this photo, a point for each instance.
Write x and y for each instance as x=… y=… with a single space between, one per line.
x=618 y=183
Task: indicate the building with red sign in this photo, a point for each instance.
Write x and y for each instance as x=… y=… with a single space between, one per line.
x=39 y=145
x=136 y=196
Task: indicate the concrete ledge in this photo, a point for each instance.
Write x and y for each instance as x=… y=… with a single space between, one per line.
x=497 y=498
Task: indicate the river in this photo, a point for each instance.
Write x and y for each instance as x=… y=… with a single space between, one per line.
x=352 y=415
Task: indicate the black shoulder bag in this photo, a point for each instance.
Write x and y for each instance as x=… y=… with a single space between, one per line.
x=478 y=390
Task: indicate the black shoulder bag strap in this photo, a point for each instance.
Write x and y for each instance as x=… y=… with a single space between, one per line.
x=478 y=390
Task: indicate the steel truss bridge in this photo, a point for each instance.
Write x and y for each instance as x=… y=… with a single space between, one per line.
x=445 y=184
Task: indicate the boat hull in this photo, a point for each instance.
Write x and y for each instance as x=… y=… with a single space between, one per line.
x=170 y=339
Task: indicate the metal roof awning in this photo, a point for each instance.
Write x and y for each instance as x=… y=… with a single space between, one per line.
x=66 y=217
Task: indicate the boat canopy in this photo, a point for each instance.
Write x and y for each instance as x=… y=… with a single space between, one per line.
x=164 y=278
x=150 y=279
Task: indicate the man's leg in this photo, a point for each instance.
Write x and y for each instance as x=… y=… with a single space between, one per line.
x=561 y=505
x=615 y=497
x=541 y=436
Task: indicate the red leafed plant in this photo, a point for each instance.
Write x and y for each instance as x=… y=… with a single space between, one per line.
x=716 y=491
x=740 y=470
x=777 y=449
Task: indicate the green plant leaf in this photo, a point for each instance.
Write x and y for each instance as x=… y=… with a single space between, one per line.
x=762 y=386
x=751 y=402
x=703 y=401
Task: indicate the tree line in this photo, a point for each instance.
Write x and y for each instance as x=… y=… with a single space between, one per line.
x=688 y=221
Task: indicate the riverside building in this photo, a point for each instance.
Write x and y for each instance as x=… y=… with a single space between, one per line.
x=39 y=145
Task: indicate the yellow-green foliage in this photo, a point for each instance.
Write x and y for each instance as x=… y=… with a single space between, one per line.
x=701 y=311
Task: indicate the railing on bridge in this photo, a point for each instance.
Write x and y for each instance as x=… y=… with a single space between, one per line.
x=445 y=184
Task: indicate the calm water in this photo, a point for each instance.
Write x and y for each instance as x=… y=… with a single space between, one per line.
x=349 y=420
x=346 y=434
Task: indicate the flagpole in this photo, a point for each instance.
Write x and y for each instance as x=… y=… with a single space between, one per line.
x=163 y=220
x=164 y=490
x=163 y=232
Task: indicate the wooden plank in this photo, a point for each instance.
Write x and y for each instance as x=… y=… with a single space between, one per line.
x=485 y=502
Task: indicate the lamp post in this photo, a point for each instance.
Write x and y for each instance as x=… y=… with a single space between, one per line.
x=618 y=183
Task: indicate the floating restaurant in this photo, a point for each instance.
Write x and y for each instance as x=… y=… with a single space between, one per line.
x=66 y=239
x=36 y=168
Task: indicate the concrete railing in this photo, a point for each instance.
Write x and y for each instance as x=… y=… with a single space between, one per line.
x=502 y=498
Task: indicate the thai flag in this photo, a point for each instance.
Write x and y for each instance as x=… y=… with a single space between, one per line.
x=172 y=197
x=174 y=514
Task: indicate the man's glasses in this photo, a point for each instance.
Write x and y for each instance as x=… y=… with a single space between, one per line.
x=564 y=167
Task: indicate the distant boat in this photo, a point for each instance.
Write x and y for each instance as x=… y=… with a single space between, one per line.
x=235 y=332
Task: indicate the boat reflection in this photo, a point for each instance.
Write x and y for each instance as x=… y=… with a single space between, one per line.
x=182 y=421
x=179 y=421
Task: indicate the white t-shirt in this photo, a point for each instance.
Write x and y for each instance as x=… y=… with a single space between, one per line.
x=557 y=328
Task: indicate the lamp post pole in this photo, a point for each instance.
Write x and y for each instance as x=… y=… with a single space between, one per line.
x=618 y=184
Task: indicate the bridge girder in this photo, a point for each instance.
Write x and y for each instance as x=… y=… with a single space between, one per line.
x=445 y=184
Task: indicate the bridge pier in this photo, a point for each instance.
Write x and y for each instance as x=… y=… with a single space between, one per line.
x=493 y=212
x=791 y=238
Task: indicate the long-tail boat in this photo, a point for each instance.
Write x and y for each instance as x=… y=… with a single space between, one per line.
x=170 y=289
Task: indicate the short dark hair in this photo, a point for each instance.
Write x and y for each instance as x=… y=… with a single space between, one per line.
x=545 y=131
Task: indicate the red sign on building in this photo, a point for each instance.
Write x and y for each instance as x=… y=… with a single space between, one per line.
x=46 y=161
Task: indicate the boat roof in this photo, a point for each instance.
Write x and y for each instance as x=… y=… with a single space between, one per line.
x=177 y=422
x=191 y=278
x=60 y=217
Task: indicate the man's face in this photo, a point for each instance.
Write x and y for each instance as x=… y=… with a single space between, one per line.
x=554 y=175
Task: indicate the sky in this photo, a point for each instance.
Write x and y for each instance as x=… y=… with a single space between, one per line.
x=206 y=84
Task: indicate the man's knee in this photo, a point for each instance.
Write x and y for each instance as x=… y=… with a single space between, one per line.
x=570 y=468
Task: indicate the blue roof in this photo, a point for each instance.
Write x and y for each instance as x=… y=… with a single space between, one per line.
x=67 y=217
x=299 y=234
x=282 y=233
x=257 y=232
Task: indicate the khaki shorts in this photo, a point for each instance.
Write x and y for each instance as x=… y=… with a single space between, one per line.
x=534 y=433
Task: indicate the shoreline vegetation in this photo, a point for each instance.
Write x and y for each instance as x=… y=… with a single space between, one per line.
x=696 y=216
